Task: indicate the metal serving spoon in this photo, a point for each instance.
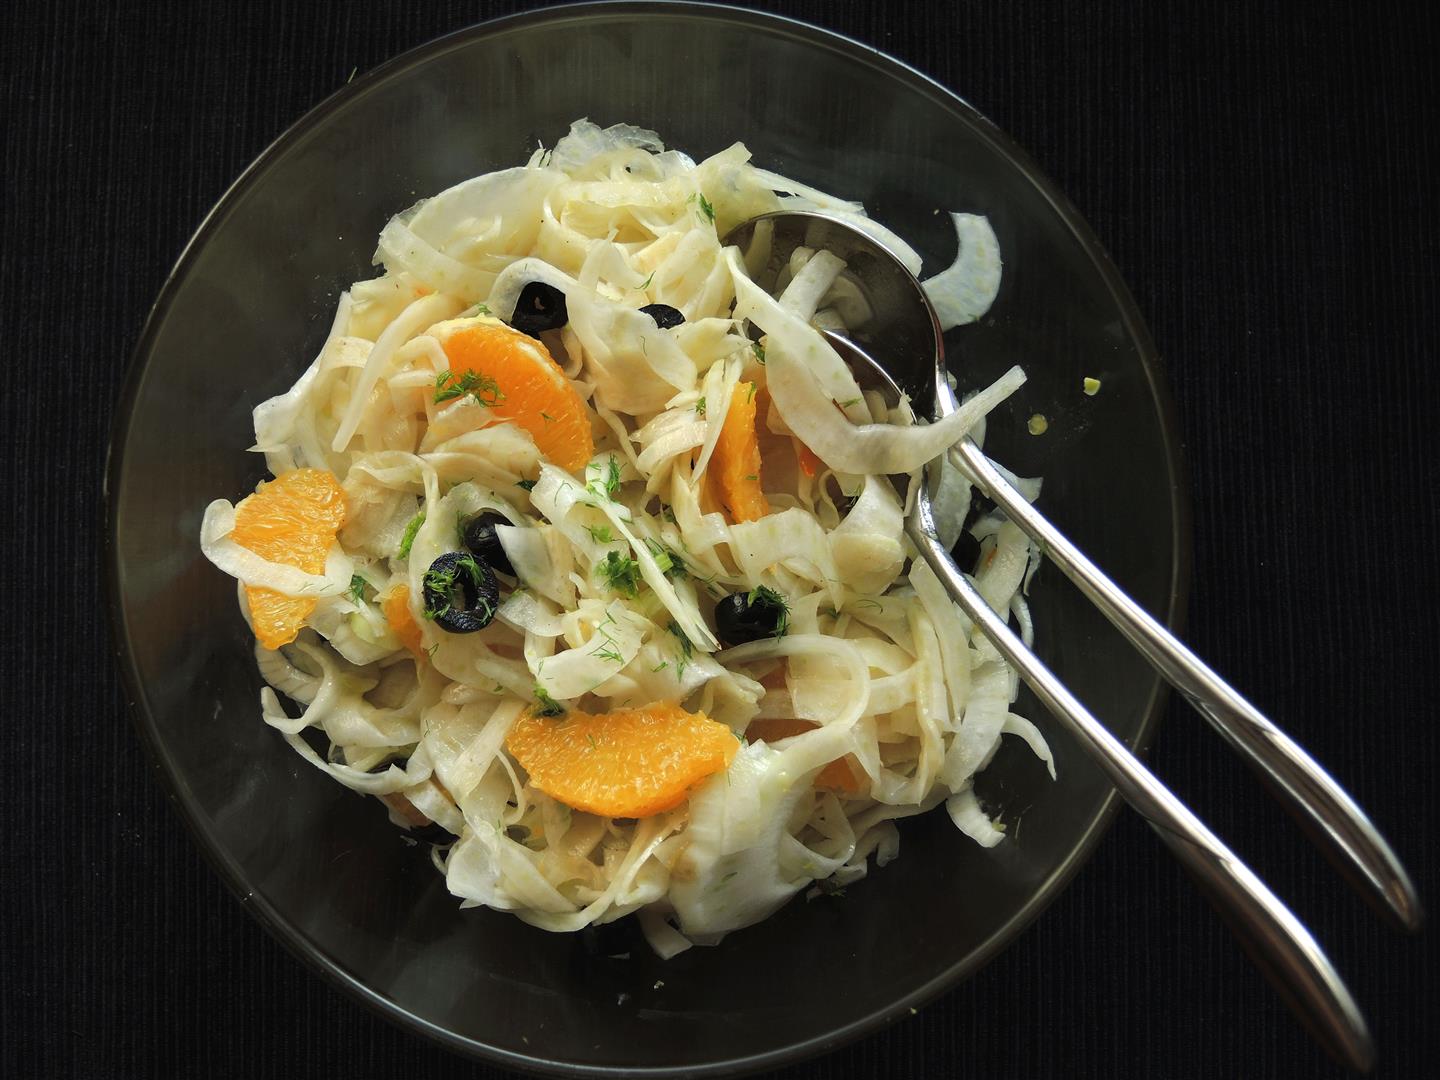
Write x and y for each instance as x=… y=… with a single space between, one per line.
x=905 y=323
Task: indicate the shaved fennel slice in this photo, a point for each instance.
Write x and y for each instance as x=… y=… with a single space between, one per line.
x=824 y=363
x=587 y=141
x=964 y=810
x=424 y=312
x=868 y=545
x=393 y=779
x=802 y=296
x=792 y=538
x=964 y=291
x=1000 y=577
x=741 y=862
x=1019 y=726
x=796 y=351
x=508 y=202
x=718 y=390
x=526 y=612
x=664 y=939
x=575 y=672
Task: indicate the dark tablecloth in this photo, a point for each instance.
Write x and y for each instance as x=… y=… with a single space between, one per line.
x=1264 y=178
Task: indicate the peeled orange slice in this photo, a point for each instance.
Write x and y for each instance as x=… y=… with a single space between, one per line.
x=629 y=763
x=522 y=384
x=837 y=776
x=396 y=606
x=292 y=520
x=734 y=468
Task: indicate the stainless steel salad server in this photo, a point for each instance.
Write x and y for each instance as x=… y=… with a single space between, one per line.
x=906 y=323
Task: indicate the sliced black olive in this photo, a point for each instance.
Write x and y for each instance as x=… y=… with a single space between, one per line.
x=461 y=593
x=480 y=537
x=540 y=307
x=664 y=315
x=966 y=551
x=742 y=617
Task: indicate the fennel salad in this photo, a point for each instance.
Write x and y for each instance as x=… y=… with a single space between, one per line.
x=580 y=551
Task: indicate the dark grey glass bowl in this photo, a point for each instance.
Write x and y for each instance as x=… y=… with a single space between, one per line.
x=248 y=304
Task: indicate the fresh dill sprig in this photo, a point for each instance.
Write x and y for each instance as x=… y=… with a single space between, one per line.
x=707 y=211
x=763 y=594
x=700 y=406
x=357 y=588
x=620 y=572
x=759 y=351
x=482 y=388
x=600 y=534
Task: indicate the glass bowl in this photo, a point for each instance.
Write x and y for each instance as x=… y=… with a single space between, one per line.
x=248 y=304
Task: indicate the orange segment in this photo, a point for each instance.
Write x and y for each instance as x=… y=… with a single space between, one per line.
x=292 y=520
x=396 y=606
x=533 y=391
x=837 y=776
x=629 y=763
x=735 y=465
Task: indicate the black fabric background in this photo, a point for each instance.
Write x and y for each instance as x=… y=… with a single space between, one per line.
x=1263 y=176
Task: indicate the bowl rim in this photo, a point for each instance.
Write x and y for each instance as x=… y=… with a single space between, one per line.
x=177 y=790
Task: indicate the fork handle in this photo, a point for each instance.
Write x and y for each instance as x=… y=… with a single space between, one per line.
x=1270 y=932
x=1332 y=819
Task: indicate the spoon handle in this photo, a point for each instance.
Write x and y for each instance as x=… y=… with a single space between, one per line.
x=1332 y=819
x=1275 y=938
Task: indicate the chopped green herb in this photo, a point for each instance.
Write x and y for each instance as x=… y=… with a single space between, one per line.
x=547 y=705
x=600 y=534
x=609 y=652
x=700 y=406
x=528 y=485
x=482 y=388
x=620 y=572
x=661 y=666
x=410 y=530
x=851 y=401
x=357 y=587
x=770 y=598
x=750 y=393
x=432 y=650
x=706 y=210
x=646 y=283
x=445 y=581
x=759 y=351
x=612 y=477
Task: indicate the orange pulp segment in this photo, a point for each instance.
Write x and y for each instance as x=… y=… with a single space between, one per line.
x=629 y=763
x=292 y=520
x=529 y=388
x=735 y=464
x=837 y=776
x=396 y=606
